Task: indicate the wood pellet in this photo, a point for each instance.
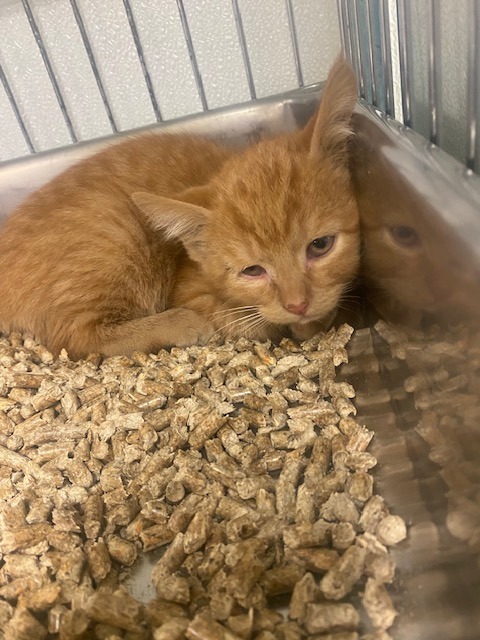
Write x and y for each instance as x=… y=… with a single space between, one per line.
x=445 y=385
x=241 y=464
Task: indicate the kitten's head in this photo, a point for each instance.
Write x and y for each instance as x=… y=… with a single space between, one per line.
x=277 y=229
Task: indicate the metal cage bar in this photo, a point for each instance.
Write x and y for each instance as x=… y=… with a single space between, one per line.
x=49 y=68
x=344 y=32
x=243 y=46
x=355 y=45
x=141 y=57
x=434 y=72
x=294 y=39
x=191 y=53
x=364 y=37
x=341 y=24
x=16 y=110
x=473 y=80
x=404 y=39
x=386 y=52
x=93 y=64
x=370 y=56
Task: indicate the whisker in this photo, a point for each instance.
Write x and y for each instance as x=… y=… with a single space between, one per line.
x=222 y=312
x=351 y=299
x=351 y=285
x=253 y=324
x=243 y=318
x=344 y=307
x=237 y=321
x=231 y=312
x=249 y=306
x=246 y=306
x=246 y=320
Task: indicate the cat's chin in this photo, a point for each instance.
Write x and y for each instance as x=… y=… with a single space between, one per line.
x=324 y=319
x=306 y=328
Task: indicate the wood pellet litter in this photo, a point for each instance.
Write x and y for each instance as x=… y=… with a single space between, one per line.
x=445 y=384
x=242 y=461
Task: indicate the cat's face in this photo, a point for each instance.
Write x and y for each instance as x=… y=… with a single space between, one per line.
x=283 y=236
x=277 y=230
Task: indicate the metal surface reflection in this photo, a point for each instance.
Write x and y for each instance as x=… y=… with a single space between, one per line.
x=420 y=223
x=420 y=216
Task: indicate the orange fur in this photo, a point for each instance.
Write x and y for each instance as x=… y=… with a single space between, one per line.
x=142 y=246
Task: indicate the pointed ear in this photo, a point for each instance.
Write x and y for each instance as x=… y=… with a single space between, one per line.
x=329 y=130
x=178 y=219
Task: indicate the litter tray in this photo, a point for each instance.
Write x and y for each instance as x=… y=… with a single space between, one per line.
x=397 y=175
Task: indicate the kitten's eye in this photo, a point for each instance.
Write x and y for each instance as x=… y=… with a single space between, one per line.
x=320 y=246
x=254 y=271
x=406 y=236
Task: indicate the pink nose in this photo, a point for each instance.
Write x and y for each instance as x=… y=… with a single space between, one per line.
x=299 y=309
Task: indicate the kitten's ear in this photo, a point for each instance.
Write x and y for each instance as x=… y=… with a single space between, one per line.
x=329 y=130
x=178 y=219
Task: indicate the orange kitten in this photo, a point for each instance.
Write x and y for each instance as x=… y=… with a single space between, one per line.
x=162 y=239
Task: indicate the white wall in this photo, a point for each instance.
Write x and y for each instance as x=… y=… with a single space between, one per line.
x=216 y=45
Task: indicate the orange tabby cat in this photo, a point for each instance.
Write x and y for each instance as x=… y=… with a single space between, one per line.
x=162 y=239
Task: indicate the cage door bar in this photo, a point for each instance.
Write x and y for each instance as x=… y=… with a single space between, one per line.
x=434 y=72
x=191 y=53
x=386 y=51
x=49 y=68
x=141 y=58
x=473 y=82
x=404 y=45
x=16 y=110
x=243 y=46
x=93 y=64
x=344 y=30
x=369 y=22
x=355 y=46
x=294 y=40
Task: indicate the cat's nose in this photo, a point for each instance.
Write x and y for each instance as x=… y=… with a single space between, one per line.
x=299 y=308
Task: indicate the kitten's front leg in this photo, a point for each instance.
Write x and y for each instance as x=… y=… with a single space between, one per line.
x=171 y=328
x=187 y=327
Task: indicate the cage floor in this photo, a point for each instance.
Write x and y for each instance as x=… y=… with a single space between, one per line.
x=105 y=455
x=240 y=463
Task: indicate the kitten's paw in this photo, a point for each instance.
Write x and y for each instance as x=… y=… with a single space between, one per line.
x=191 y=328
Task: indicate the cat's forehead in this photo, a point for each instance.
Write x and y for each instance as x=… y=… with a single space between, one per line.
x=272 y=192
x=266 y=170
